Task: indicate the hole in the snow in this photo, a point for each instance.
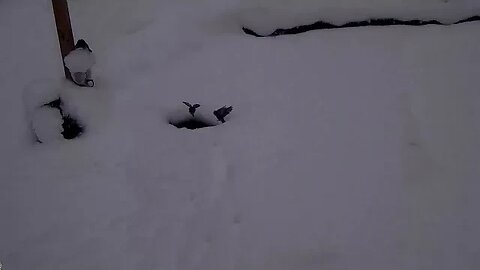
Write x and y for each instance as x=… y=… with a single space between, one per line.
x=195 y=120
x=192 y=123
x=51 y=121
x=71 y=128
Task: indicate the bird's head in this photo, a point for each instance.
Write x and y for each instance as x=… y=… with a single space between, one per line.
x=82 y=44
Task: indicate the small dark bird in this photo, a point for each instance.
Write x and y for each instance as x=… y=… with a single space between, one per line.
x=81 y=44
x=192 y=108
x=57 y=104
x=222 y=112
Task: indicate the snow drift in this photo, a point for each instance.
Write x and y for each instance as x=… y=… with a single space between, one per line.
x=349 y=149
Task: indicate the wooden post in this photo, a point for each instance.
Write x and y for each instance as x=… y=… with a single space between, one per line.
x=64 y=30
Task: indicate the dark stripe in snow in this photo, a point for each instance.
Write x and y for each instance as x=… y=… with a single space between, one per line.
x=319 y=25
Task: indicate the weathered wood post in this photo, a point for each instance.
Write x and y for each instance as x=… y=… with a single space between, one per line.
x=64 y=29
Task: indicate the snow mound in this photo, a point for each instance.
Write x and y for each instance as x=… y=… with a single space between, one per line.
x=267 y=15
x=79 y=60
x=40 y=92
x=47 y=124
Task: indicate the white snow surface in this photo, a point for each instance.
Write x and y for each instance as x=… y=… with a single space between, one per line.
x=79 y=60
x=346 y=149
x=47 y=124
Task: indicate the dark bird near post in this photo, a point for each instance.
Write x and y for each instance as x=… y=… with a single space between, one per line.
x=192 y=108
x=222 y=112
x=82 y=44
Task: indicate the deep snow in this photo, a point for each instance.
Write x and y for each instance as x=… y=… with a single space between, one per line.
x=347 y=149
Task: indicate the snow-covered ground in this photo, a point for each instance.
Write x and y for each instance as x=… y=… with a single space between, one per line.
x=346 y=149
